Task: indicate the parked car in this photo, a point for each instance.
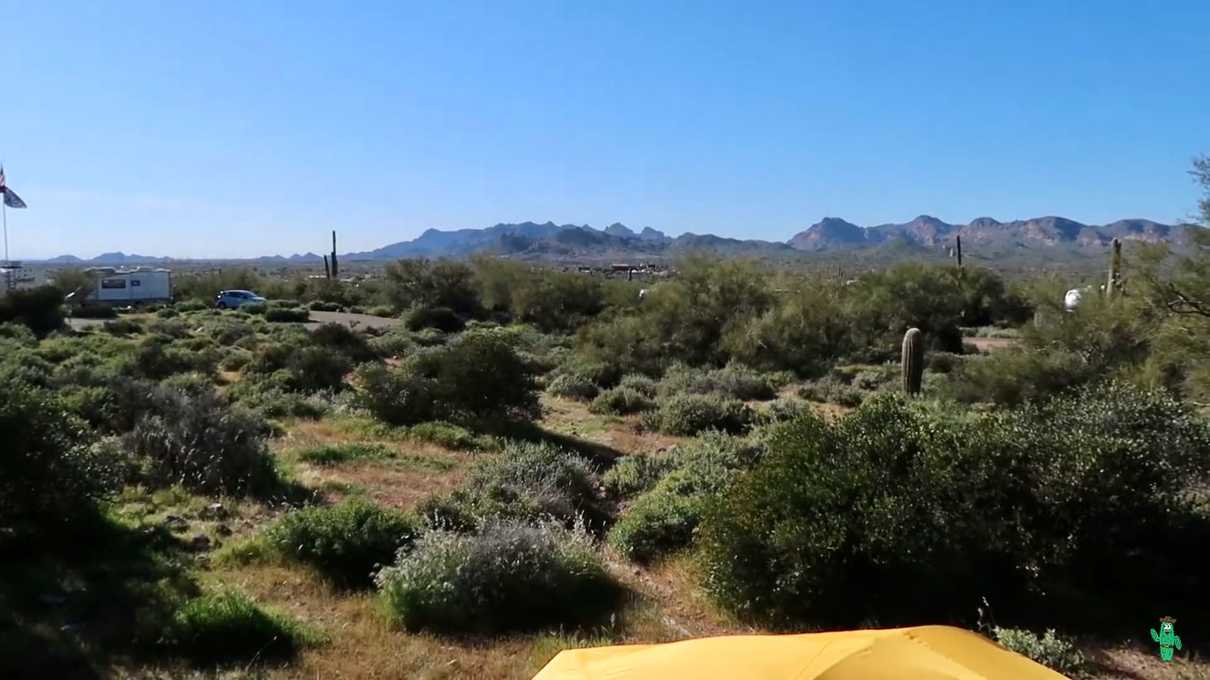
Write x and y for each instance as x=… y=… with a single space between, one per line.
x=232 y=299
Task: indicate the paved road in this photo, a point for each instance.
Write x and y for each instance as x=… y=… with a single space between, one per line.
x=317 y=318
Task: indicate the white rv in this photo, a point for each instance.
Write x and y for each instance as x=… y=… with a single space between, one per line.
x=131 y=286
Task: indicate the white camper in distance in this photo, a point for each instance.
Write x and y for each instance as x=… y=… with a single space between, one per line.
x=130 y=286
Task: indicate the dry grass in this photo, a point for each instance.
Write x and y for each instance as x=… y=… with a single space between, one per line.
x=619 y=433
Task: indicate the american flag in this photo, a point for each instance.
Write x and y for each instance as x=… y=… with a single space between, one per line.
x=11 y=199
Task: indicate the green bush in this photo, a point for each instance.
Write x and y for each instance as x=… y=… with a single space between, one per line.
x=572 y=386
x=442 y=318
x=318 y=368
x=381 y=310
x=40 y=309
x=526 y=482
x=477 y=375
x=1014 y=376
x=620 y=401
x=689 y=414
x=285 y=315
x=827 y=391
x=450 y=436
x=200 y=442
x=228 y=625
x=347 y=542
x=506 y=577
x=331 y=454
x=324 y=306
x=664 y=519
x=1049 y=650
x=632 y=475
x=340 y=338
x=1052 y=507
x=735 y=381
x=123 y=327
x=639 y=383
x=50 y=478
x=190 y=306
x=94 y=311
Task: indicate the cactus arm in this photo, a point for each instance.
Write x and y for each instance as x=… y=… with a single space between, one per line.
x=1176 y=641
x=1154 y=635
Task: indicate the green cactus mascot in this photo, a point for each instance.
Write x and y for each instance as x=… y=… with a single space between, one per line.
x=1167 y=637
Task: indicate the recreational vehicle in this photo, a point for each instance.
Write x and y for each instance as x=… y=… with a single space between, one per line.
x=130 y=286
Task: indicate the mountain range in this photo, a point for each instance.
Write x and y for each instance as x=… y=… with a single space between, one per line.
x=531 y=240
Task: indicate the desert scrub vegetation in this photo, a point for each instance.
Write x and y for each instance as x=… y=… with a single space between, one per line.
x=507 y=576
x=477 y=375
x=229 y=626
x=346 y=542
x=621 y=401
x=674 y=493
x=333 y=454
x=1048 y=649
x=1011 y=505
x=526 y=482
x=689 y=414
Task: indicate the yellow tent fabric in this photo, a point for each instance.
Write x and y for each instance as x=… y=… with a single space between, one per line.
x=895 y=653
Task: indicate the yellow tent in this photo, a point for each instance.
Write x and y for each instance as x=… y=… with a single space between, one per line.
x=896 y=653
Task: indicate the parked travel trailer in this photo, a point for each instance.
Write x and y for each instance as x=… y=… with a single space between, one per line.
x=130 y=286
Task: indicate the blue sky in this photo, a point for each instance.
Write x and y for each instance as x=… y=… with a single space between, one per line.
x=238 y=129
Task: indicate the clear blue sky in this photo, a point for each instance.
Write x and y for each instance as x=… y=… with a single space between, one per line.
x=236 y=129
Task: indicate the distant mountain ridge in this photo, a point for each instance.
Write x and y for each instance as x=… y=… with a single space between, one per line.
x=547 y=240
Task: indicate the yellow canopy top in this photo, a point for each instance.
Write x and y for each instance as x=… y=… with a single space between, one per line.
x=895 y=653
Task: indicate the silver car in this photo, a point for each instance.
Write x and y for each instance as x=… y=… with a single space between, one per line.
x=232 y=299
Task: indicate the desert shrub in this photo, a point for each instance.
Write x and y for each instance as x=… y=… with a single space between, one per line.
x=1049 y=649
x=1051 y=507
x=442 y=318
x=283 y=304
x=94 y=311
x=356 y=309
x=331 y=454
x=40 y=309
x=190 y=306
x=525 y=482
x=155 y=359
x=235 y=360
x=200 y=442
x=393 y=343
x=323 y=306
x=318 y=368
x=50 y=478
x=398 y=396
x=689 y=414
x=19 y=334
x=123 y=327
x=664 y=518
x=347 y=542
x=340 y=338
x=253 y=309
x=827 y=391
x=506 y=577
x=632 y=475
x=639 y=383
x=269 y=400
x=1014 y=376
x=806 y=331
x=381 y=310
x=229 y=625
x=477 y=375
x=784 y=409
x=943 y=362
x=450 y=436
x=286 y=315
x=167 y=313
x=573 y=386
x=735 y=380
x=620 y=401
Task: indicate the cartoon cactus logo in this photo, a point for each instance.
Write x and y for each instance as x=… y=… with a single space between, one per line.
x=1167 y=637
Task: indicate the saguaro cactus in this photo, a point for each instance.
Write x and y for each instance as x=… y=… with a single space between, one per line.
x=1114 y=283
x=912 y=361
x=335 y=269
x=958 y=250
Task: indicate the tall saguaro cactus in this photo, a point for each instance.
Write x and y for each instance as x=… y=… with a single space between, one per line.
x=958 y=250
x=912 y=361
x=1114 y=283
x=335 y=269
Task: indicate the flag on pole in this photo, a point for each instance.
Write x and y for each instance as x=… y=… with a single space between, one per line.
x=11 y=199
